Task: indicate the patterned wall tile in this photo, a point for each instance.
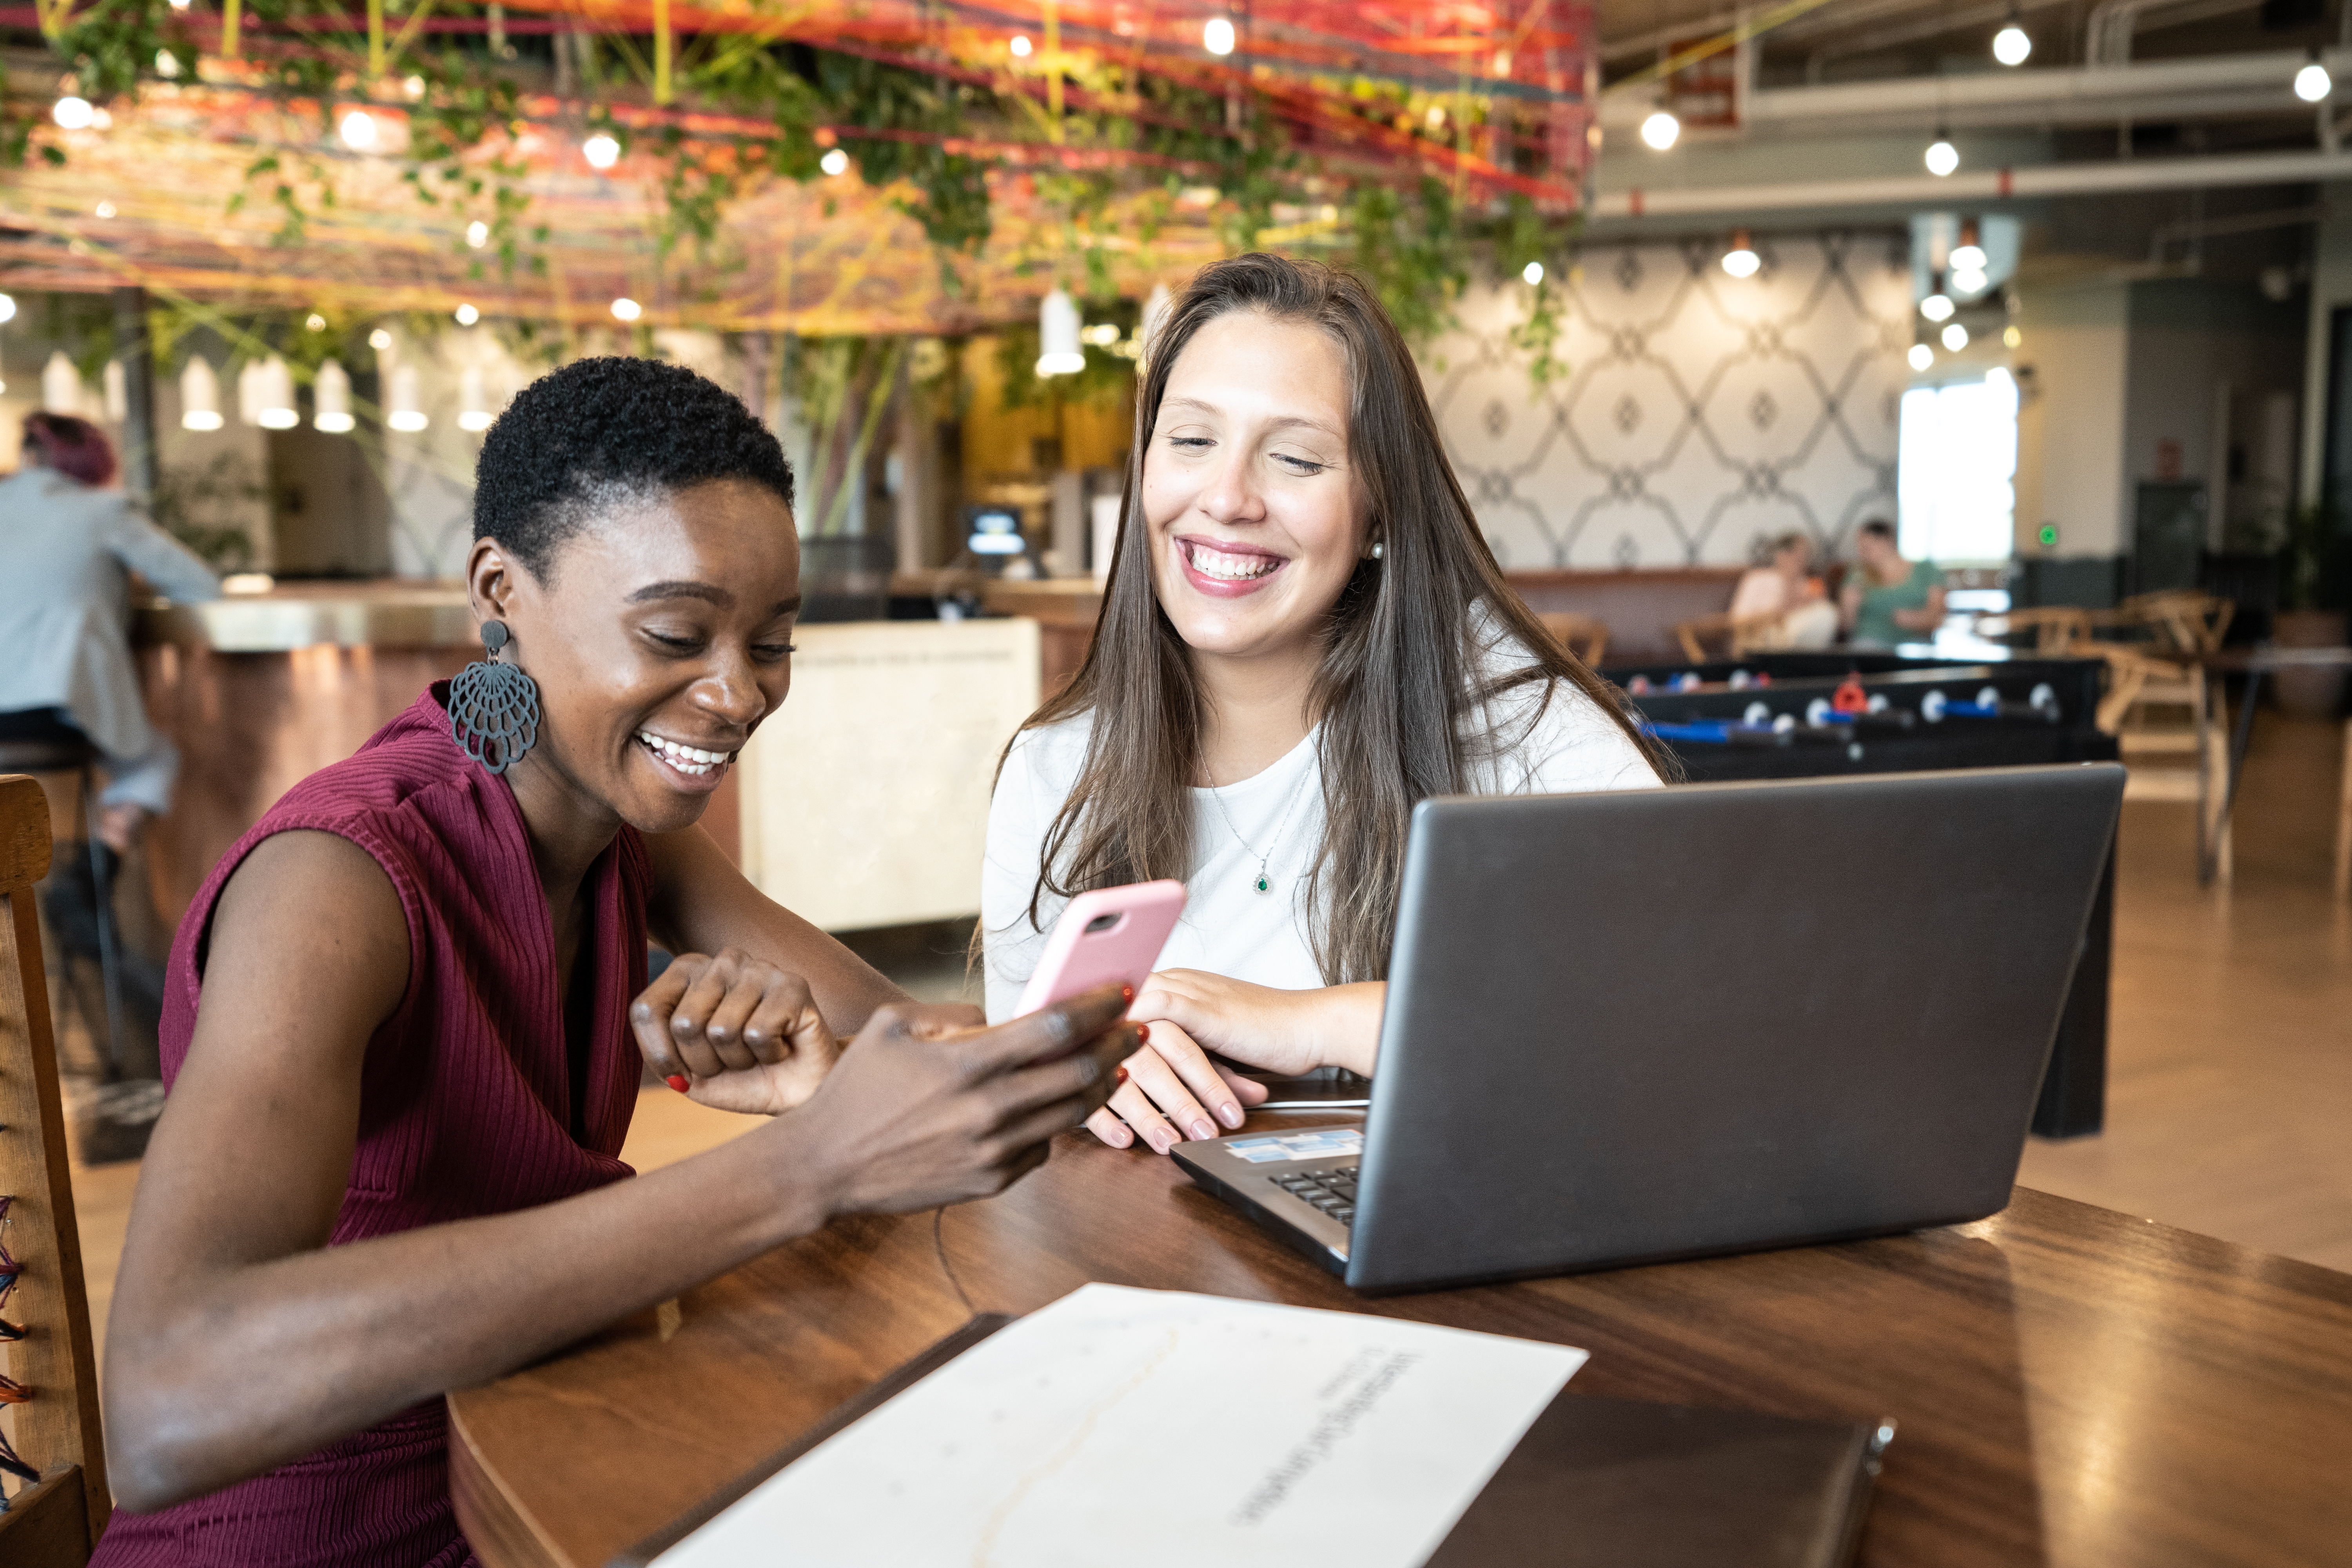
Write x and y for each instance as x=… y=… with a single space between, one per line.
x=1701 y=414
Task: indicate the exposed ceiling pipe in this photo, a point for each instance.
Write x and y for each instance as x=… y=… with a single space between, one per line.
x=1976 y=187
x=2219 y=84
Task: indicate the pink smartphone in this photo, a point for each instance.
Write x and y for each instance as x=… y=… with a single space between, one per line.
x=1110 y=936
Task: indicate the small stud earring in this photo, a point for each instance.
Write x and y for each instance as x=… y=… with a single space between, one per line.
x=1379 y=549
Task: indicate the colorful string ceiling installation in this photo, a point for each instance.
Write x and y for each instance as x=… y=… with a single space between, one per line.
x=885 y=166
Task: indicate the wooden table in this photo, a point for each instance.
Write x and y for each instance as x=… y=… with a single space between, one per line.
x=2071 y=1385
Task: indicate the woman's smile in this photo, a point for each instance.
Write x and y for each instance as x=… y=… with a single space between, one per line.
x=694 y=769
x=1226 y=569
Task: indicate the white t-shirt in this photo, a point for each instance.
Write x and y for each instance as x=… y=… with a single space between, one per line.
x=1228 y=927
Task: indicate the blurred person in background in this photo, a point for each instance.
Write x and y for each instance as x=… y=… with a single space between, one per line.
x=1787 y=590
x=1887 y=599
x=70 y=541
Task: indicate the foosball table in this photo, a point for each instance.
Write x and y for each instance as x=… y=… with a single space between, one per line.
x=1798 y=715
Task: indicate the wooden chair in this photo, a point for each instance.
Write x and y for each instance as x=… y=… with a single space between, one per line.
x=2054 y=628
x=1586 y=636
x=1739 y=635
x=57 y=1522
x=2160 y=711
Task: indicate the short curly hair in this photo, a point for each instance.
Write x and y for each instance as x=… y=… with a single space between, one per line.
x=600 y=432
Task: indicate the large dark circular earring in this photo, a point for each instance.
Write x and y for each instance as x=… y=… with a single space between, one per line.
x=494 y=707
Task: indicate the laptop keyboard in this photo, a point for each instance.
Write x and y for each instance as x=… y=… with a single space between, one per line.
x=1333 y=1192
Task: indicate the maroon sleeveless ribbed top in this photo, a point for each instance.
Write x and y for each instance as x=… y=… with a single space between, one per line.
x=464 y=1110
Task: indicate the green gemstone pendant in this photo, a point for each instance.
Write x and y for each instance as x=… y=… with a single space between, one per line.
x=1262 y=884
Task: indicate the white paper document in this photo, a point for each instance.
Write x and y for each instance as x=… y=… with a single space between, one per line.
x=1149 y=1427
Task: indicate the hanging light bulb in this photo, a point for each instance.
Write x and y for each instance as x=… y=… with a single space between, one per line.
x=1968 y=256
x=7 y=307
x=1970 y=281
x=404 y=401
x=1938 y=305
x=1021 y=45
x=61 y=385
x=358 y=129
x=331 y=399
x=1532 y=274
x=72 y=113
x=2311 y=83
x=114 y=386
x=1942 y=157
x=627 y=310
x=274 y=389
x=477 y=234
x=1217 y=37
x=1660 y=130
x=1921 y=356
x=1956 y=337
x=473 y=401
x=167 y=64
x=1059 y=352
x=199 y=396
x=467 y=315
x=2011 y=45
x=379 y=340
x=835 y=162
x=601 y=151
x=1741 y=260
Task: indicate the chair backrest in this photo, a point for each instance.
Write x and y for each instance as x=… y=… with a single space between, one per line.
x=1586 y=636
x=57 y=1522
x=2054 y=628
x=1739 y=635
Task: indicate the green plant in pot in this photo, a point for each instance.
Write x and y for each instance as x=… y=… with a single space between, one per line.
x=2311 y=614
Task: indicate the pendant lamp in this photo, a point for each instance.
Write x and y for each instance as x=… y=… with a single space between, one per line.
x=330 y=396
x=404 y=400
x=473 y=401
x=1057 y=336
x=248 y=392
x=61 y=385
x=275 y=394
x=199 y=396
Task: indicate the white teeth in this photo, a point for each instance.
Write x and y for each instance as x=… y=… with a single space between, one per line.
x=1229 y=567
x=686 y=759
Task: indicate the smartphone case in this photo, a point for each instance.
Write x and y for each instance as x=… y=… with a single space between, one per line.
x=1079 y=958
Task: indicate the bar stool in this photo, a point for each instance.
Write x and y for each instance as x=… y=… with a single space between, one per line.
x=55 y=757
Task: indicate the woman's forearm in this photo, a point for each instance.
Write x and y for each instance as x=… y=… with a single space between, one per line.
x=1347 y=1019
x=245 y=1368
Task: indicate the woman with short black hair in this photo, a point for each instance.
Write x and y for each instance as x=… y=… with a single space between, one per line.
x=399 y=1026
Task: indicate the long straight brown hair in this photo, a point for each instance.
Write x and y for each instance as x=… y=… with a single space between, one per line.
x=1401 y=660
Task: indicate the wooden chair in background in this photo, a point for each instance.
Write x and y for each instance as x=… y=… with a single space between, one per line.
x=55 y=1522
x=2054 y=628
x=2170 y=719
x=1731 y=636
x=1586 y=636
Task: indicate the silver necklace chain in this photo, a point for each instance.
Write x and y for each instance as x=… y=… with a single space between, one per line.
x=1261 y=882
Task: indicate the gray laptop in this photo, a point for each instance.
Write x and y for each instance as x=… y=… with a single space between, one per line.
x=1657 y=1024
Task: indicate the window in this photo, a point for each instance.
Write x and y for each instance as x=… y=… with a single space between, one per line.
x=1957 y=464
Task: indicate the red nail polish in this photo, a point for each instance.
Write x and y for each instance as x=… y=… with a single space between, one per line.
x=1127 y=992
x=1122 y=1076
x=677 y=1080
x=1143 y=1034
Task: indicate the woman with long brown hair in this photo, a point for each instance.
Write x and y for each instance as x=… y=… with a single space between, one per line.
x=1303 y=634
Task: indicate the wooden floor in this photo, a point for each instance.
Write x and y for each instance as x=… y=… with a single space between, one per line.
x=2230 y=1100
